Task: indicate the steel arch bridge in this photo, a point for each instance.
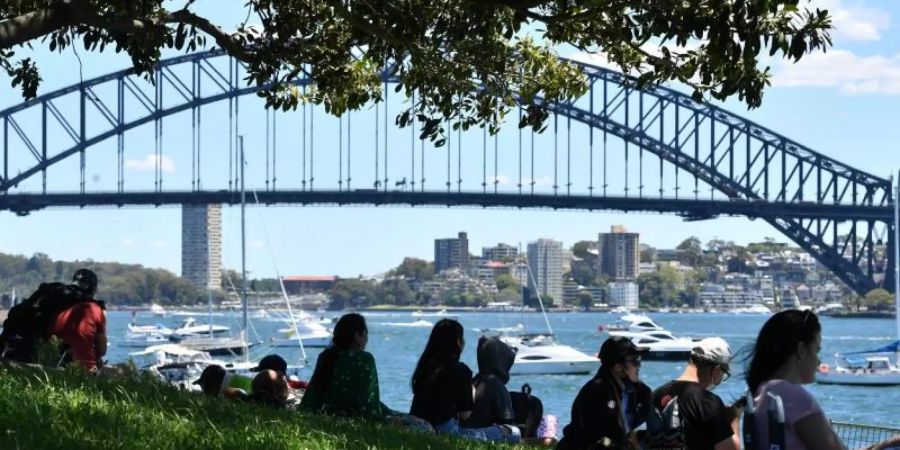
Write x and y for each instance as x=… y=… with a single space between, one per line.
x=702 y=161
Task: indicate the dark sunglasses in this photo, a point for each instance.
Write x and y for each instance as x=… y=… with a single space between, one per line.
x=635 y=361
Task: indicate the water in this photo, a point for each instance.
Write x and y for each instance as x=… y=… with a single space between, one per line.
x=397 y=348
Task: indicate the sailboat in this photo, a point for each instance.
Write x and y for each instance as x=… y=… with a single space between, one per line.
x=872 y=367
x=542 y=353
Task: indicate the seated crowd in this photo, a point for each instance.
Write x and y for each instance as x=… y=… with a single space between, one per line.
x=613 y=410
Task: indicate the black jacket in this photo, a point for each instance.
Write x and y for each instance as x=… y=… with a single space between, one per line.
x=492 y=402
x=597 y=419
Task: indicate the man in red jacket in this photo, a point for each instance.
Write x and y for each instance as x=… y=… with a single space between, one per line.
x=83 y=326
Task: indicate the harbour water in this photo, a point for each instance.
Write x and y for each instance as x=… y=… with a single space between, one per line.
x=397 y=346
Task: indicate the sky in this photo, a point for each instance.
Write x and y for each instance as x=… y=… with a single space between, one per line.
x=843 y=103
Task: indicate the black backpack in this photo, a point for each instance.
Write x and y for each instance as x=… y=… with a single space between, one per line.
x=665 y=428
x=528 y=410
x=29 y=322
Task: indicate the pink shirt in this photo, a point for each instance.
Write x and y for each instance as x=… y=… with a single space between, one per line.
x=798 y=404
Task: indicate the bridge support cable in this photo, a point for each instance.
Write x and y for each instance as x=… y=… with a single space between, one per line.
x=484 y=160
x=312 y=146
x=386 y=150
x=341 y=153
x=568 y=156
x=275 y=148
x=591 y=146
x=349 y=148
x=303 y=140
x=412 y=144
x=496 y=160
x=520 y=151
x=377 y=183
x=458 y=155
x=555 y=154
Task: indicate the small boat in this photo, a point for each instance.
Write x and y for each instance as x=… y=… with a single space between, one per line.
x=134 y=329
x=442 y=313
x=157 y=310
x=518 y=328
x=660 y=345
x=620 y=310
x=190 y=327
x=634 y=323
x=864 y=368
x=755 y=308
x=540 y=353
x=216 y=346
x=141 y=340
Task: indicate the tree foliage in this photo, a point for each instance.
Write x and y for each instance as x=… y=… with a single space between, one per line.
x=414 y=269
x=466 y=61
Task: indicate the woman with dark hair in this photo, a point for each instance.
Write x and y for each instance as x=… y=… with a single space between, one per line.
x=442 y=387
x=785 y=357
x=345 y=380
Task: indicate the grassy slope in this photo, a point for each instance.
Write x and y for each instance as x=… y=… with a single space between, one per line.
x=68 y=410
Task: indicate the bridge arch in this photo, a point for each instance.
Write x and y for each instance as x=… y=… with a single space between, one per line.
x=806 y=177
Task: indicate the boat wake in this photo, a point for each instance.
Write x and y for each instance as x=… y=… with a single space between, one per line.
x=416 y=324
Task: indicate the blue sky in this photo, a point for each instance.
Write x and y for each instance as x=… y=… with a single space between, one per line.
x=844 y=103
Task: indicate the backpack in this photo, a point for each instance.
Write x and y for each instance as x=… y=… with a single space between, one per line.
x=528 y=410
x=665 y=429
x=29 y=322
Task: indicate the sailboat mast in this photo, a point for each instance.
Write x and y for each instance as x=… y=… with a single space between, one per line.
x=243 y=249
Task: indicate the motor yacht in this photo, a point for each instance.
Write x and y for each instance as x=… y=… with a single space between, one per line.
x=865 y=368
x=190 y=327
x=141 y=340
x=755 y=308
x=633 y=323
x=157 y=310
x=308 y=330
x=659 y=345
x=541 y=354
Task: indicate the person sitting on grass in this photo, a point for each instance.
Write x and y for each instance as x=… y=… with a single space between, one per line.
x=345 y=380
x=442 y=387
x=270 y=388
x=278 y=364
x=215 y=381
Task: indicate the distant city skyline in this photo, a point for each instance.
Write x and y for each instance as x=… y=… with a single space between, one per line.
x=843 y=103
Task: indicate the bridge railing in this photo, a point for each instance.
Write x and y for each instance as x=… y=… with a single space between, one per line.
x=856 y=436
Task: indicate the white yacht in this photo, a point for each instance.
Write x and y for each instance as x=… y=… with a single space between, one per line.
x=141 y=340
x=542 y=354
x=135 y=330
x=660 y=345
x=755 y=308
x=308 y=330
x=866 y=368
x=633 y=323
x=190 y=327
x=157 y=310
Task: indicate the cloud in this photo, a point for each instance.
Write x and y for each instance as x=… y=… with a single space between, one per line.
x=256 y=243
x=842 y=69
x=149 y=163
x=158 y=244
x=854 y=21
x=127 y=242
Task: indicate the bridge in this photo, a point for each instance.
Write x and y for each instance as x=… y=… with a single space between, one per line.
x=616 y=148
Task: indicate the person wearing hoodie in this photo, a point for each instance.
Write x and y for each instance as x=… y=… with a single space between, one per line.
x=493 y=405
x=611 y=405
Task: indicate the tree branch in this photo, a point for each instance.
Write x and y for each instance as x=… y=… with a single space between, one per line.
x=223 y=39
x=26 y=27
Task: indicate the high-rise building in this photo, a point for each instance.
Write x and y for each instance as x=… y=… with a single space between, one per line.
x=619 y=254
x=623 y=293
x=545 y=261
x=451 y=253
x=201 y=245
x=500 y=252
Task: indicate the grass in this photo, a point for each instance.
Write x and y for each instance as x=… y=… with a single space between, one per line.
x=51 y=409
